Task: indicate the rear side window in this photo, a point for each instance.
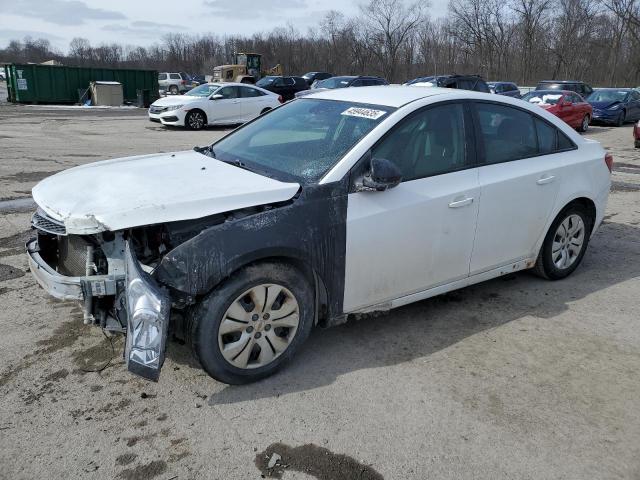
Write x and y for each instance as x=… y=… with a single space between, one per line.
x=547 y=137
x=248 y=92
x=507 y=133
x=174 y=76
x=300 y=82
x=429 y=142
x=550 y=139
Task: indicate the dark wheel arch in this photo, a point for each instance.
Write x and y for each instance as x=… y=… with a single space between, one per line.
x=584 y=206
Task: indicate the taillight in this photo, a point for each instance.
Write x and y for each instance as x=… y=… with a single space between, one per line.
x=608 y=159
x=280 y=99
x=183 y=82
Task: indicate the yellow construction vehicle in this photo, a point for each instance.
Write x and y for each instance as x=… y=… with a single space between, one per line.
x=246 y=69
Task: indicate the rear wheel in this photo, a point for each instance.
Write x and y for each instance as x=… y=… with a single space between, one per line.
x=565 y=244
x=195 y=120
x=584 y=125
x=252 y=324
x=637 y=143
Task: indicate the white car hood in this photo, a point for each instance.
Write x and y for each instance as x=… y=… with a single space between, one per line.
x=143 y=190
x=176 y=100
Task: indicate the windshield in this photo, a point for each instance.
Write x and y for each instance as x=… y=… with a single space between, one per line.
x=263 y=82
x=542 y=97
x=203 y=90
x=608 y=96
x=335 y=82
x=302 y=139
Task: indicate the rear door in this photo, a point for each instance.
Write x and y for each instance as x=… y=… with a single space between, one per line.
x=519 y=180
x=252 y=102
x=419 y=234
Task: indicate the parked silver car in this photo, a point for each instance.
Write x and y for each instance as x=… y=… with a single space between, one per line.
x=176 y=82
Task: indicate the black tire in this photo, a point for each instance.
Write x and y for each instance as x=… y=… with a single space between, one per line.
x=620 y=119
x=637 y=143
x=545 y=267
x=584 y=125
x=173 y=89
x=195 y=120
x=265 y=110
x=206 y=317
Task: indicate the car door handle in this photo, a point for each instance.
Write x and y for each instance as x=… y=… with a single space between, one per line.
x=546 y=179
x=461 y=203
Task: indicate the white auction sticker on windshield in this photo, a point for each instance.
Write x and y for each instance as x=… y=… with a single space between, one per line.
x=364 y=113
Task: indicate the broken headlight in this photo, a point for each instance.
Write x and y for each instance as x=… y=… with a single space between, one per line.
x=148 y=318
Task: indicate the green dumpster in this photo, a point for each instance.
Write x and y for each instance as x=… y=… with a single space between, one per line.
x=33 y=83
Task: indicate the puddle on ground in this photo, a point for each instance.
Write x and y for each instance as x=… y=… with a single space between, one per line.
x=313 y=460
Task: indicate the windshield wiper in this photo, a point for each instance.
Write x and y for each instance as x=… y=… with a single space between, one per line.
x=208 y=151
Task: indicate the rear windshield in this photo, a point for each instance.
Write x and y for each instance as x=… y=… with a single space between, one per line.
x=301 y=140
x=543 y=97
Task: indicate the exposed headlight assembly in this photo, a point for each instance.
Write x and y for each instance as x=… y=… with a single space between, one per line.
x=148 y=309
x=173 y=107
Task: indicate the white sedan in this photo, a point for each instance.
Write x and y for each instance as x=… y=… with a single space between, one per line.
x=214 y=104
x=342 y=202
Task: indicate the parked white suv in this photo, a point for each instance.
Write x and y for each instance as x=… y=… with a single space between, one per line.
x=345 y=201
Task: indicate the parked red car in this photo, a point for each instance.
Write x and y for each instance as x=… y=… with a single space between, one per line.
x=567 y=105
x=636 y=134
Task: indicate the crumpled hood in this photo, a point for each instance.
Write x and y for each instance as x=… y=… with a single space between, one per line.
x=143 y=190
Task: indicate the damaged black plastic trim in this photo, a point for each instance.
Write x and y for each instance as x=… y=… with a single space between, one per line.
x=310 y=230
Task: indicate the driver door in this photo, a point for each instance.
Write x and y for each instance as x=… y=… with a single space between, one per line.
x=419 y=234
x=227 y=109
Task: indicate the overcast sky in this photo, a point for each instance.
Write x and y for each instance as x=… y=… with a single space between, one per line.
x=144 y=22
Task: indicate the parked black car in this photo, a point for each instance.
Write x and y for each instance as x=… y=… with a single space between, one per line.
x=311 y=77
x=582 y=88
x=508 y=89
x=463 y=82
x=287 y=87
x=344 y=81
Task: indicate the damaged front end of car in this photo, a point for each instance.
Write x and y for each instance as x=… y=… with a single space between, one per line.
x=104 y=273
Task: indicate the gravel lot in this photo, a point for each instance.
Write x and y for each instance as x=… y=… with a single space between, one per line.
x=515 y=378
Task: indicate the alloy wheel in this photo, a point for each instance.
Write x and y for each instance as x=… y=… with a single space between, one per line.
x=568 y=242
x=196 y=120
x=258 y=326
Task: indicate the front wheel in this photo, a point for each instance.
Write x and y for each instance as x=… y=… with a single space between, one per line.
x=584 y=125
x=252 y=324
x=565 y=244
x=195 y=120
x=620 y=119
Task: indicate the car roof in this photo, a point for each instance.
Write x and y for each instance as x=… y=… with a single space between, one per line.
x=626 y=89
x=560 y=81
x=385 y=95
x=554 y=91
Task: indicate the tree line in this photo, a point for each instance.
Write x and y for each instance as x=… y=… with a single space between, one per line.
x=518 y=40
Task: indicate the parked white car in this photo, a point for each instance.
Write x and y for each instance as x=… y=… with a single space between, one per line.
x=214 y=104
x=345 y=201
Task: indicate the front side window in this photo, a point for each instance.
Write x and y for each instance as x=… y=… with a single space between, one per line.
x=300 y=140
x=228 y=92
x=507 y=133
x=162 y=76
x=430 y=142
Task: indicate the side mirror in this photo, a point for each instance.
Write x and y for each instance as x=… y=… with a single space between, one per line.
x=382 y=175
x=217 y=96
